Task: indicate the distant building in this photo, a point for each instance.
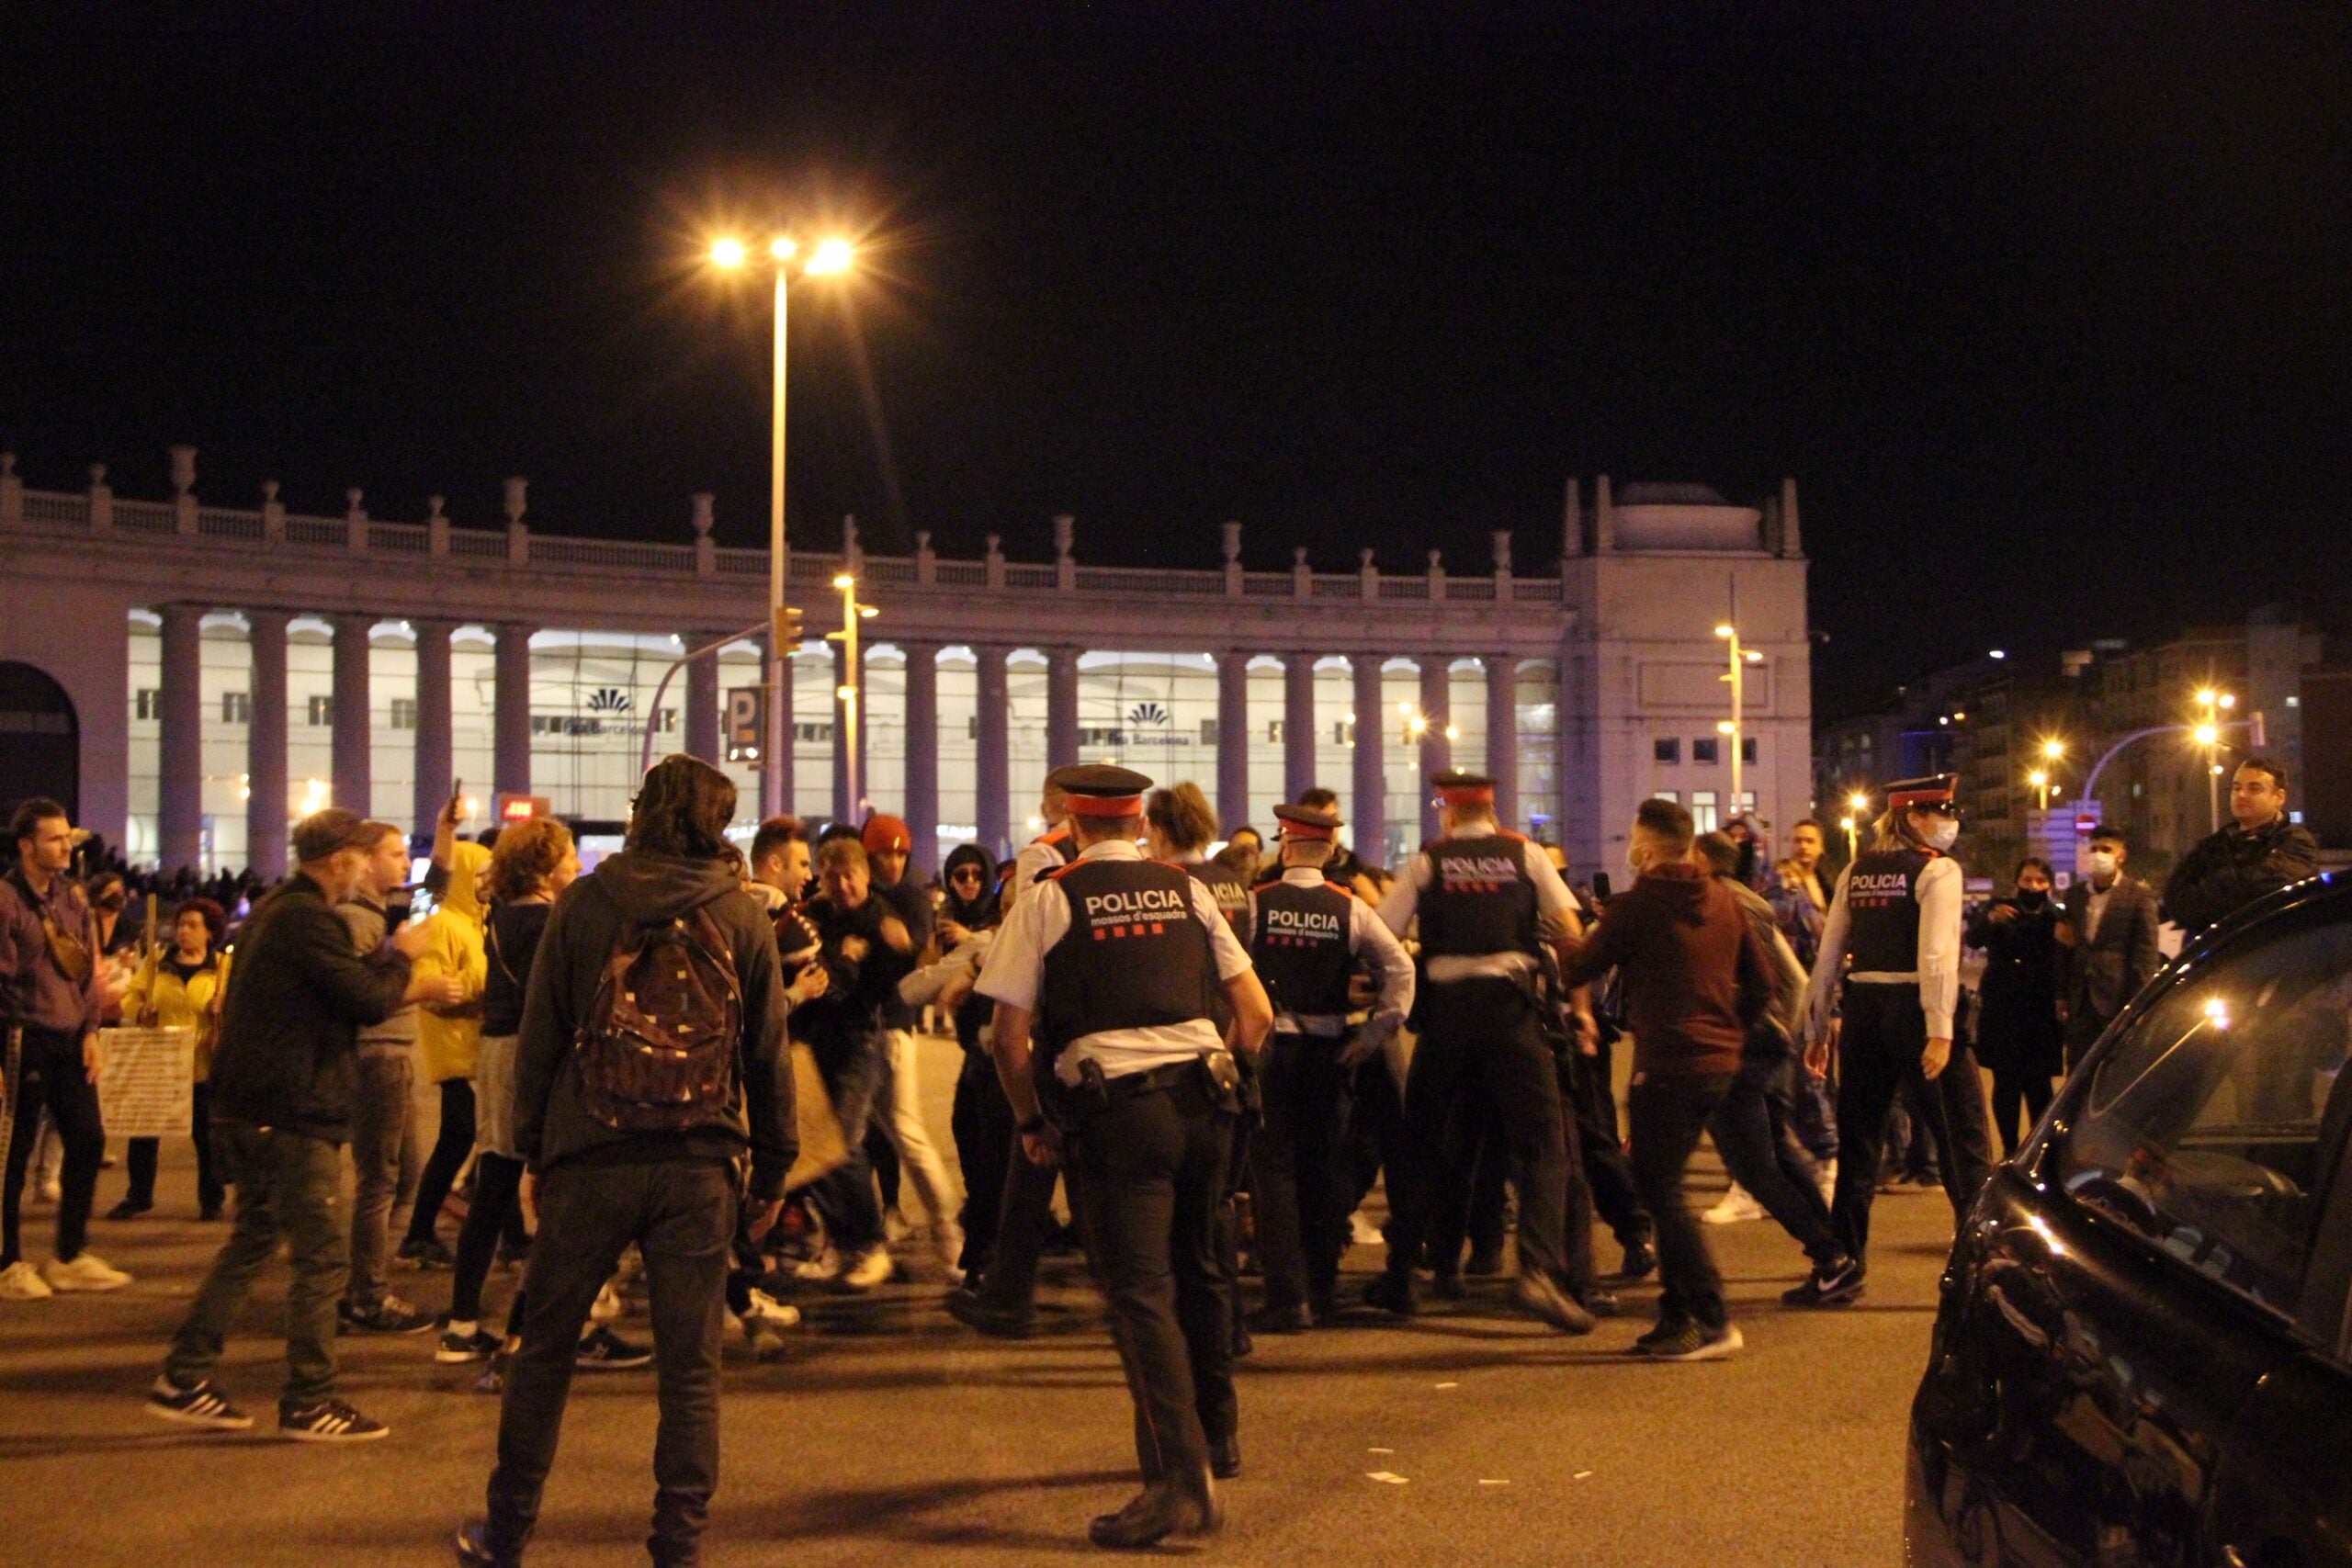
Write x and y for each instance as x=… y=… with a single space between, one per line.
x=1990 y=720
x=190 y=677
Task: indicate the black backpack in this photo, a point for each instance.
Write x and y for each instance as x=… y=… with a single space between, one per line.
x=657 y=1050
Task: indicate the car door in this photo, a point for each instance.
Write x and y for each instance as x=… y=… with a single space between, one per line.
x=2125 y=1290
x=2283 y=1496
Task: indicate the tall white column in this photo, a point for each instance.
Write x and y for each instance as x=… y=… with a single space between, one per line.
x=921 y=803
x=1502 y=735
x=179 y=819
x=1298 y=724
x=992 y=788
x=353 y=733
x=1232 y=738
x=1370 y=806
x=434 y=724
x=511 y=710
x=266 y=802
x=1437 y=751
x=1061 y=705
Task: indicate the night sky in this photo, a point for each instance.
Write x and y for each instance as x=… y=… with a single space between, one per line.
x=2048 y=308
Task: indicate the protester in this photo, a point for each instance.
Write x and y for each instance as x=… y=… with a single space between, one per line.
x=2019 y=1037
x=898 y=1101
x=982 y=1119
x=625 y=1146
x=867 y=951
x=2261 y=850
x=182 y=986
x=533 y=862
x=283 y=1082
x=2109 y=932
x=1801 y=902
x=450 y=1036
x=1698 y=986
x=50 y=1009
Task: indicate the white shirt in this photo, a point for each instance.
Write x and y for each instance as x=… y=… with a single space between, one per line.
x=1552 y=901
x=2095 y=906
x=1371 y=943
x=1938 y=891
x=1037 y=858
x=1016 y=965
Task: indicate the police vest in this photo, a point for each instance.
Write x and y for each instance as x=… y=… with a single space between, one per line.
x=1136 y=956
x=1480 y=899
x=1231 y=893
x=1302 y=947
x=1882 y=910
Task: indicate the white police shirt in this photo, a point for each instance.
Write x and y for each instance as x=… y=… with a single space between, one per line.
x=1016 y=966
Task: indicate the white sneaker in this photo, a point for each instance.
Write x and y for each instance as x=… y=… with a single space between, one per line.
x=607 y=1308
x=52 y=1191
x=20 y=1282
x=1732 y=1207
x=764 y=1322
x=948 y=1245
x=872 y=1267
x=1363 y=1232
x=1828 y=1170
x=88 y=1271
x=821 y=1270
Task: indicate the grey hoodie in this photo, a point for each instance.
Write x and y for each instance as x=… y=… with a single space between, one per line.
x=552 y=1124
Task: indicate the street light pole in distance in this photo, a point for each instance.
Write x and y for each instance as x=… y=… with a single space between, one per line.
x=831 y=258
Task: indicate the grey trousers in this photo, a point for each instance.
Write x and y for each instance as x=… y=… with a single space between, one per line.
x=380 y=1127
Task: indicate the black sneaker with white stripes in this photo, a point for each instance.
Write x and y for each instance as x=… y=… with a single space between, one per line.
x=200 y=1407
x=329 y=1421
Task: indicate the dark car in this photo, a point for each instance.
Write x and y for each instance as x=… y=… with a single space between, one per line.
x=2141 y=1354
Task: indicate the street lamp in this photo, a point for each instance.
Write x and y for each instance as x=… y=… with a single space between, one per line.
x=2040 y=780
x=730 y=254
x=2211 y=706
x=1858 y=809
x=852 y=613
x=1738 y=658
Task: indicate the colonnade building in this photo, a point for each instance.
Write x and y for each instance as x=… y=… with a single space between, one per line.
x=191 y=678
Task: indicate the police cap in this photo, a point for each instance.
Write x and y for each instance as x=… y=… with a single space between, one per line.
x=1096 y=789
x=1320 y=823
x=1933 y=793
x=1459 y=786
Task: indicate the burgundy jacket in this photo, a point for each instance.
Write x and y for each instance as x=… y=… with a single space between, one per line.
x=1695 y=977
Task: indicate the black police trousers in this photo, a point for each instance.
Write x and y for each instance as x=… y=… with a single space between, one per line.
x=1878 y=1046
x=1302 y=1195
x=1149 y=1172
x=1482 y=1044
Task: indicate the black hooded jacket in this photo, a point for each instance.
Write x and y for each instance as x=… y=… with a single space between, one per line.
x=552 y=1124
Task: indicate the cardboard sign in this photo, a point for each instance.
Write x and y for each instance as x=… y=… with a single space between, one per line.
x=147 y=1082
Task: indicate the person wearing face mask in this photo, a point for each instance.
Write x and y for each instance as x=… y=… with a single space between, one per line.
x=2017 y=1023
x=1896 y=914
x=2107 y=934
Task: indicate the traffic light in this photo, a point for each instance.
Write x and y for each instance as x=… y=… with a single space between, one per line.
x=789 y=635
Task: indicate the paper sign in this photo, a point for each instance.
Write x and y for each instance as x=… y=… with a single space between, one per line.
x=147 y=1081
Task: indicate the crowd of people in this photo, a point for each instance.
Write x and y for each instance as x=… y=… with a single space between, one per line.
x=693 y=1073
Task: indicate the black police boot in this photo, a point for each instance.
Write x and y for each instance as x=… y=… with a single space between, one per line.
x=1391 y=1293
x=1486 y=1262
x=1184 y=1508
x=974 y=1311
x=1225 y=1457
x=1447 y=1286
x=1536 y=1293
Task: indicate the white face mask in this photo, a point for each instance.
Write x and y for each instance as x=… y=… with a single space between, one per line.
x=1944 y=834
x=2101 y=864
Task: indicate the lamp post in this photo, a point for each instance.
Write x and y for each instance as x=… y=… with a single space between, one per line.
x=2211 y=706
x=852 y=613
x=1858 y=808
x=829 y=258
x=1738 y=658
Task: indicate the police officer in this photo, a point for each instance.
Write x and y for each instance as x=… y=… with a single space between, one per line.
x=1485 y=898
x=1105 y=976
x=1896 y=914
x=1307 y=936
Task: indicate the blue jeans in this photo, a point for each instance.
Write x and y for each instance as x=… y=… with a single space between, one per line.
x=853 y=1070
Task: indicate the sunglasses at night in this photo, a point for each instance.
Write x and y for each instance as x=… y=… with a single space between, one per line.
x=965 y=873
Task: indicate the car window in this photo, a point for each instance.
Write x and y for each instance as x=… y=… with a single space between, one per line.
x=2211 y=1125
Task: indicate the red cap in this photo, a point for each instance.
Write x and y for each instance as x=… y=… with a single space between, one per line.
x=885 y=832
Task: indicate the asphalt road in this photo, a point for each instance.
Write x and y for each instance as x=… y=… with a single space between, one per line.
x=889 y=1434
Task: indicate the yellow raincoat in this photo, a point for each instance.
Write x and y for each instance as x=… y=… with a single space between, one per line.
x=449 y=1038
x=159 y=999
